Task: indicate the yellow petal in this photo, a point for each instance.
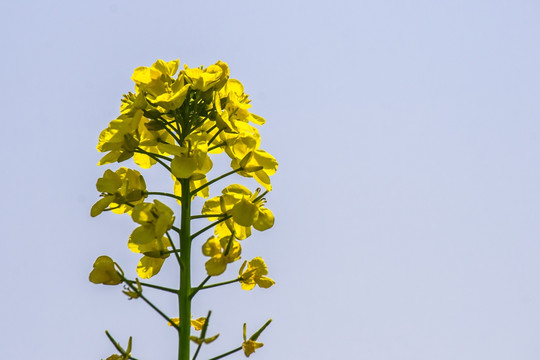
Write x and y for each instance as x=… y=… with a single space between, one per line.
x=101 y=205
x=250 y=346
x=149 y=267
x=183 y=167
x=216 y=265
x=265 y=282
x=265 y=220
x=245 y=212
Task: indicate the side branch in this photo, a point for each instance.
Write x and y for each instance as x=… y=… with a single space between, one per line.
x=164 y=194
x=120 y=348
x=210 y=226
x=217 y=284
x=155 y=157
x=253 y=337
x=168 y=318
x=196 y=290
x=214 y=180
x=162 y=288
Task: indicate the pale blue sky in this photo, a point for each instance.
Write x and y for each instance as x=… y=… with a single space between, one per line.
x=407 y=200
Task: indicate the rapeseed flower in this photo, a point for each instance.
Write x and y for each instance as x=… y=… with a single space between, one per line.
x=119 y=188
x=148 y=239
x=222 y=251
x=249 y=346
x=120 y=139
x=245 y=208
x=105 y=272
x=254 y=274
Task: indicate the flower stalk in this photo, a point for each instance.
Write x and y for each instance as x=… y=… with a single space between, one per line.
x=184 y=301
x=181 y=119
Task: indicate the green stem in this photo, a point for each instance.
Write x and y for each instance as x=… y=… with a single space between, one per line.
x=212 y=128
x=178 y=231
x=184 y=301
x=193 y=292
x=175 y=250
x=171 y=132
x=216 y=146
x=253 y=337
x=153 y=286
x=214 y=137
x=214 y=180
x=164 y=194
x=257 y=333
x=260 y=196
x=168 y=318
x=227 y=353
x=151 y=154
x=118 y=347
x=207 y=216
x=203 y=334
x=210 y=226
x=219 y=284
x=155 y=157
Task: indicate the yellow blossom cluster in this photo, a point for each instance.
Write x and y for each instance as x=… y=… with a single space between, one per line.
x=184 y=115
x=180 y=118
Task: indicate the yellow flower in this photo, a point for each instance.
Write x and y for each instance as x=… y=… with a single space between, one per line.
x=198 y=340
x=197 y=323
x=155 y=219
x=254 y=274
x=191 y=161
x=151 y=136
x=222 y=251
x=154 y=257
x=126 y=354
x=243 y=148
x=133 y=102
x=120 y=139
x=159 y=86
x=245 y=208
x=105 y=272
x=213 y=77
x=118 y=188
x=236 y=103
x=133 y=294
x=249 y=346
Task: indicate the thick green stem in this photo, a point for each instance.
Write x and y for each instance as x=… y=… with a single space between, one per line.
x=184 y=299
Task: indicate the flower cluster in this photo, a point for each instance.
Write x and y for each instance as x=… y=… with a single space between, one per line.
x=155 y=220
x=179 y=119
x=243 y=210
x=183 y=115
x=120 y=191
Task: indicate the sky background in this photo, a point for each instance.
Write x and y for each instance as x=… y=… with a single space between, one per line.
x=407 y=199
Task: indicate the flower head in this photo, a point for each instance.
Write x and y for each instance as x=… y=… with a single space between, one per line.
x=222 y=251
x=105 y=272
x=148 y=239
x=250 y=345
x=120 y=139
x=245 y=208
x=118 y=188
x=254 y=274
